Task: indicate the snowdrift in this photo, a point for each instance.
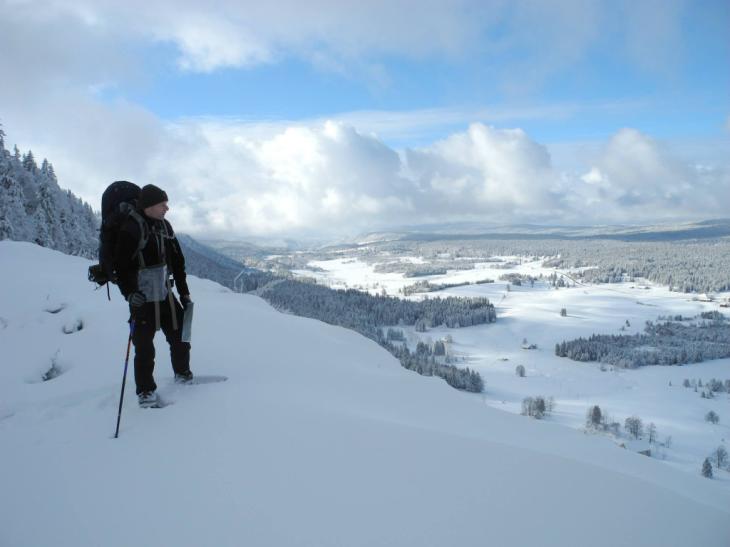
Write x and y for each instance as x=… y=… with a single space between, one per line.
x=318 y=438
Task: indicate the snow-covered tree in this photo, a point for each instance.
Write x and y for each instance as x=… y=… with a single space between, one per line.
x=29 y=163
x=439 y=349
x=34 y=208
x=594 y=419
x=535 y=407
x=706 y=469
x=712 y=417
x=720 y=457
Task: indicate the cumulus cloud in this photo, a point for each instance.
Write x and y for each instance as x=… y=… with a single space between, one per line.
x=330 y=178
x=229 y=177
x=487 y=172
x=636 y=179
x=233 y=179
x=321 y=178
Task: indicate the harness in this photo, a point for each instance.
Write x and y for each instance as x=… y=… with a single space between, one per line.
x=159 y=236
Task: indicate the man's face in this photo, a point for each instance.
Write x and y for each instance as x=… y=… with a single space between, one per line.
x=157 y=211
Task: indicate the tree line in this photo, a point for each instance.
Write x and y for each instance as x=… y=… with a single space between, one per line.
x=661 y=343
x=689 y=265
x=369 y=314
x=34 y=208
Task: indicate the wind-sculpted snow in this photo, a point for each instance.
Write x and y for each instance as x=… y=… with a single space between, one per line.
x=317 y=439
x=662 y=343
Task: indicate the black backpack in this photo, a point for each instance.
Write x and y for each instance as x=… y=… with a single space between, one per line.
x=118 y=203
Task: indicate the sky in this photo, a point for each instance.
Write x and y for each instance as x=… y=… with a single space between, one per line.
x=325 y=118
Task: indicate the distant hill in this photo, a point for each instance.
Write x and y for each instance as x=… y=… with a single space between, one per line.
x=205 y=262
x=707 y=229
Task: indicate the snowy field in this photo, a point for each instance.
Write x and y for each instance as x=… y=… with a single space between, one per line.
x=318 y=438
x=533 y=313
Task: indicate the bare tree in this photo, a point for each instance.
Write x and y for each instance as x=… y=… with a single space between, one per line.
x=634 y=426
x=651 y=431
x=520 y=371
x=535 y=407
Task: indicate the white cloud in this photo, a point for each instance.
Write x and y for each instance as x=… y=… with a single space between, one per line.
x=318 y=175
x=207 y=43
x=330 y=178
x=349 y=35
x=320 y=178
x=232 y=178
x=636 y=179
x=484 y=172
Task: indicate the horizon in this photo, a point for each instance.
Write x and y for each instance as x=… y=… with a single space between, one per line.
x=324 y=120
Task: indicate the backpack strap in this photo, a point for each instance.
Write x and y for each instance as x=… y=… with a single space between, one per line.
x=144 y=235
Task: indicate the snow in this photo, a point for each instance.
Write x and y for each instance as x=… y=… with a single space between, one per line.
x=318 y=438
x=533 y=313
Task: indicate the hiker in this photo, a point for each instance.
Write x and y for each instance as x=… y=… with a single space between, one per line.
x=143 y=279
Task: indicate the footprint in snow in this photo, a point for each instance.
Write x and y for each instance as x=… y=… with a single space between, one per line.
x=73 y=326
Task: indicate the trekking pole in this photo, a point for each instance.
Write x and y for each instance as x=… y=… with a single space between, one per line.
x=124 y=378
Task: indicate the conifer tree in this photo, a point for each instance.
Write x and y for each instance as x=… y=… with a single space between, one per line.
x=720 y=457
x=707 y=469
x=595 y=416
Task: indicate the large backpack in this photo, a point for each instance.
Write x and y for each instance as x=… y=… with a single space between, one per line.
x=118 y=203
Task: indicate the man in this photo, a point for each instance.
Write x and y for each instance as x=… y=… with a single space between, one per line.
x=147 y=251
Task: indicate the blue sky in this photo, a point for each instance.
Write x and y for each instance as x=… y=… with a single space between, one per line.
x=321 y=116
x=685 y=92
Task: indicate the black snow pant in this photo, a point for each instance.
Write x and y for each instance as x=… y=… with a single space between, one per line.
x=144 y=347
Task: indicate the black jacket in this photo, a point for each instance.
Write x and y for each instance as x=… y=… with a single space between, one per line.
x=162 y=246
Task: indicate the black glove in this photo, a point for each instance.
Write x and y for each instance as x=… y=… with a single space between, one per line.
x=136 y=299
x=185 y=300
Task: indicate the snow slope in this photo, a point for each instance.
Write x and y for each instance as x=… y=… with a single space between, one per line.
x=318 y=438
x=653 y=393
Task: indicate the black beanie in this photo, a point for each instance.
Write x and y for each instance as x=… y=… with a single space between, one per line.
x=151 y=195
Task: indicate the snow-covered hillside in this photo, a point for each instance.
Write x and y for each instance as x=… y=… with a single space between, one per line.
x=532 y=313
x=318 y=438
